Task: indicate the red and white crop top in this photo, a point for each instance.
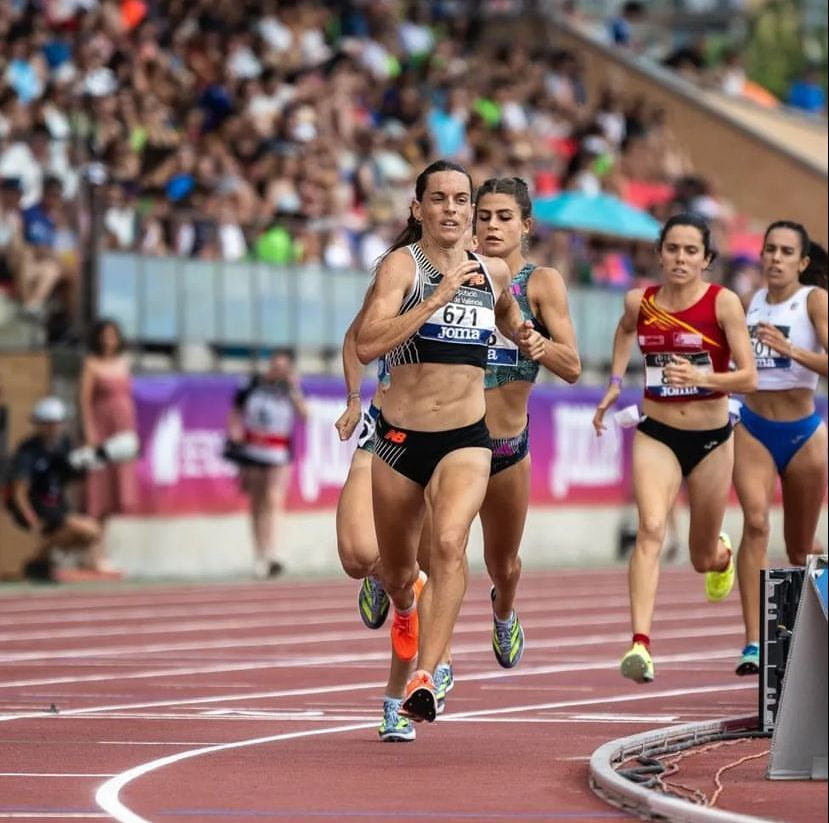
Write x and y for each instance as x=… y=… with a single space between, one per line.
x=692 y=333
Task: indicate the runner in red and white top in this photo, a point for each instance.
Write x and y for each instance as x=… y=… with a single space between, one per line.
x=687 y=330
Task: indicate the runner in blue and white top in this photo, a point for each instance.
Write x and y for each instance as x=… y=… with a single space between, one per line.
x=780 y=433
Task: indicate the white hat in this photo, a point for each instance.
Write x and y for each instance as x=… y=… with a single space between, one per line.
x=49 y=410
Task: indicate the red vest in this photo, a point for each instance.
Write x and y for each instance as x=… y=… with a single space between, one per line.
x=692 y=333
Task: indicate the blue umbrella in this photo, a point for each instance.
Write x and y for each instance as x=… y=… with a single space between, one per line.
x=599 y=213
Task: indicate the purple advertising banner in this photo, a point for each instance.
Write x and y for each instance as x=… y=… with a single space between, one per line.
x=182 y=422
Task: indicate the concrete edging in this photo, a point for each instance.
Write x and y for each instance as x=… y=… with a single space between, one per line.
x=618 y=791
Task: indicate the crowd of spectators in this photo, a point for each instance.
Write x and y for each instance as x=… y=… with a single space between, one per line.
x=292 y=132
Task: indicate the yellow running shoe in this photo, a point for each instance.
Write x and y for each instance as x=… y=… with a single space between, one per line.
x=637 y=664
x=718 y=585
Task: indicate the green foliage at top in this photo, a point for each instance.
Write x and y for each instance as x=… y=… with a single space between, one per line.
x=780 y=45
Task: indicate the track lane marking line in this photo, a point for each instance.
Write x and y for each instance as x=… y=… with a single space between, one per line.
x=107 y=795
x=524 y=671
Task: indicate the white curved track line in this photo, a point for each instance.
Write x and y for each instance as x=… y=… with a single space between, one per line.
x=107 y=795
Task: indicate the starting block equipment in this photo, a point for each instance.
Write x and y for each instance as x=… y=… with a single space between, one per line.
x=799 y=717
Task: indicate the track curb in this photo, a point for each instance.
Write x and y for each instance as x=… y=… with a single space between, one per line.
x=646 y=803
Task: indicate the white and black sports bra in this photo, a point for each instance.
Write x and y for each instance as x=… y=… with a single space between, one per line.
x=457 y=332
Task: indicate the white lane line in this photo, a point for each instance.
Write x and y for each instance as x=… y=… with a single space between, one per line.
x=107 y=796
x=523 y=671
x=321 y=617
x=55 y=774
x=186 y=598
x=53 y=816
x=336 y=603
x=643 y=694
x=343 y=659
x=358 y=635
x=182 y=598
x=723 y=630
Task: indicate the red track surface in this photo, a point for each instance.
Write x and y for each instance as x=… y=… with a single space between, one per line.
x=285 y=683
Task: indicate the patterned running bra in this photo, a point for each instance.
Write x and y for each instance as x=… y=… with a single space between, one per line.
x=505 y=361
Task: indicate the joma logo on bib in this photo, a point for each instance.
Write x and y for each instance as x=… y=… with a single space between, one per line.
x=456 y=333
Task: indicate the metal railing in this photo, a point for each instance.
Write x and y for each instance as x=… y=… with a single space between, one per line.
x=252 y=306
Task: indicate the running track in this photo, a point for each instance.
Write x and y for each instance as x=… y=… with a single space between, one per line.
x=244 y=702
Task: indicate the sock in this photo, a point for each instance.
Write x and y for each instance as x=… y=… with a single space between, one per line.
x=407 y=612
x=504 y=622
x=728 y=562
x=396 y=700
x=644 y=639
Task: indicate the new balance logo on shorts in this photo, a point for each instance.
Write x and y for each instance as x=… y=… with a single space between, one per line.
x=710 y=445
x=395 y=436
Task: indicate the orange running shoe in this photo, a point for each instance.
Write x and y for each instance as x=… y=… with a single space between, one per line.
x=419 y=701
x=404 y=627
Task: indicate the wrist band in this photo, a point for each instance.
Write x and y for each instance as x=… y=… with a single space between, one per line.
x=615 y=380
x=353 y=394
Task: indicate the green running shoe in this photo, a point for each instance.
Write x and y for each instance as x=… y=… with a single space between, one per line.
x=373 y=603
x=749 y=661
x=507 y=638
x=444 y=679
x=395 y=728
x=637 y=664
x=718 y=585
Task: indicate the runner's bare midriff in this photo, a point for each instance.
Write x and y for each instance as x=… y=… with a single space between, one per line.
x=783 y=404
x=506 y=408
x=693 y=415
x=434 y=396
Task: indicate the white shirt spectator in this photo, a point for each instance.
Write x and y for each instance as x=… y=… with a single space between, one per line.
x=372 y=247
x=120 y=222
x=613 y=126
x=276 y=34
x=100 y=82
x=337 y=254
x=313 y=47
x=416 y=38
x=514 y=117
x=243 y=64
x=232 y=241
x=18 y=161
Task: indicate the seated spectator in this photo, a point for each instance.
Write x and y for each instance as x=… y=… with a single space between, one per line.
x=46 y=264
x=807 y=93
x=11 y=234
x=42 y=467
x=276 y=244
x=623 y=27
x=120 y=217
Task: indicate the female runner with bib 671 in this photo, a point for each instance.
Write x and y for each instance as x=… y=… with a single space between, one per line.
x=688 y=330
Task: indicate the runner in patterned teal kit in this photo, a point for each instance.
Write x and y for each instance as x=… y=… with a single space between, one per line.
x=502 y=222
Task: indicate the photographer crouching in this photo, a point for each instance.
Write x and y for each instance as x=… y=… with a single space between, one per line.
x=42 y=466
